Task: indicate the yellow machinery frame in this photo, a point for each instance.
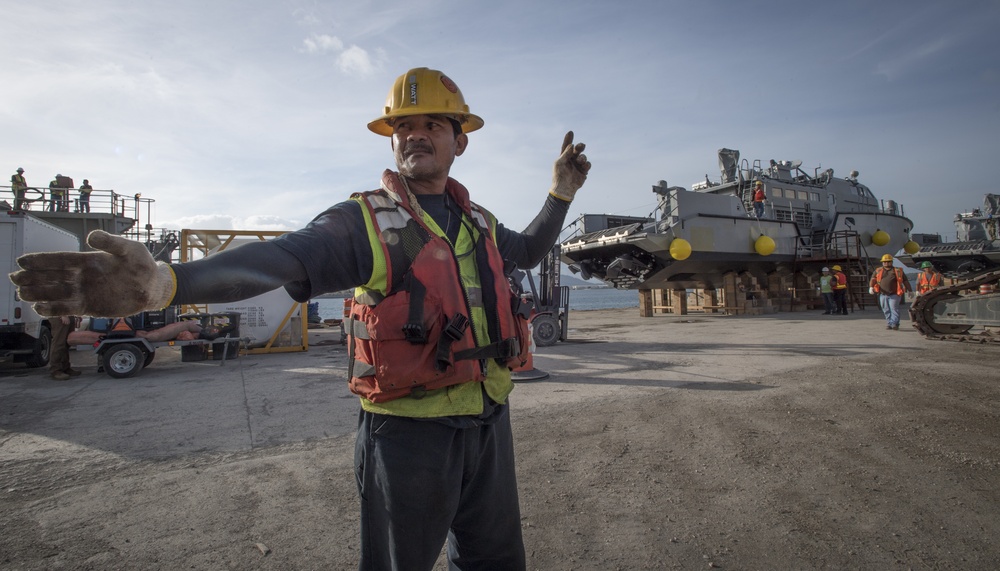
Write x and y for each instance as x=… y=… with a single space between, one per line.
x=204 y=241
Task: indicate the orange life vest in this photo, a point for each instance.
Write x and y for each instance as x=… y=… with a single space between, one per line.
x=421 y=335
x=839 y=281
x=925 y=284
x=900 y=290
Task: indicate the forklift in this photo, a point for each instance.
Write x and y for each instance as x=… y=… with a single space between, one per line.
x=550 y=319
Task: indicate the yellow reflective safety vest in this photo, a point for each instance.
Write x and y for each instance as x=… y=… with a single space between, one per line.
x=435 y=319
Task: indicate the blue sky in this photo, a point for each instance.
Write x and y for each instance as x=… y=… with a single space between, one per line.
x=251 y=114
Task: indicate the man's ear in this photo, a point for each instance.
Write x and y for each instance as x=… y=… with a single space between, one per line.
x=461 y=143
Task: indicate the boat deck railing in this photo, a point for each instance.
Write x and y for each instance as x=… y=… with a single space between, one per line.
x=101 y=201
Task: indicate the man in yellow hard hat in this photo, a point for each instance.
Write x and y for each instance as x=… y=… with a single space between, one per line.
x=839 y=286
x=890 y=283
x=434 y=327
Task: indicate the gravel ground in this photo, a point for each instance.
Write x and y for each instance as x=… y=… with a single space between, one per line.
x=794 y=441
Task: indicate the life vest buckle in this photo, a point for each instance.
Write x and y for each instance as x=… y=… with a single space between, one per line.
x=415 y=333
x=509 y=348
x=456 y=326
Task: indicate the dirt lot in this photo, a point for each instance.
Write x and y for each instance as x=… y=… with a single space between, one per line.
x=796 y=442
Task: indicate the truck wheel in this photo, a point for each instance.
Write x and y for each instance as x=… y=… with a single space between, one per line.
x=39 y=356
x=545 y=329
x=123 y=361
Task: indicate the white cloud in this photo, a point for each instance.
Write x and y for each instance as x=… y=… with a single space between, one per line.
x=355 y=60
x=322 y=43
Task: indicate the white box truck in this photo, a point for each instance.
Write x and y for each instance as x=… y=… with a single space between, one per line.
x=24 y=335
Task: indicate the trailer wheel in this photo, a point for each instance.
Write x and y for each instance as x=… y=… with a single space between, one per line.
x=123 y=361
x=149 y=358
x=39 y=356
x=545 y=329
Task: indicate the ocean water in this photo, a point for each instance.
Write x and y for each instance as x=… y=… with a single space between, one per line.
x=581 y=299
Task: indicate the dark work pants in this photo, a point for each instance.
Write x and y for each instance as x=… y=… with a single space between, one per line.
x=422 y=482
x=829 y=305
x=59 y=349
x=840 y=296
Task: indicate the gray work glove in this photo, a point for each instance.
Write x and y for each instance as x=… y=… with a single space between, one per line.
x=570 y=171
x=119 y=279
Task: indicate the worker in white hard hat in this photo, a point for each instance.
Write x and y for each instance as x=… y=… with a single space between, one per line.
x=826 y=290
x=434 y=328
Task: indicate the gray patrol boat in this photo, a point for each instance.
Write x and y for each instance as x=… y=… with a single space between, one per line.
x=696 y=236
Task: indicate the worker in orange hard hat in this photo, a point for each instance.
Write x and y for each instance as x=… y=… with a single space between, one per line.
x=434 y=327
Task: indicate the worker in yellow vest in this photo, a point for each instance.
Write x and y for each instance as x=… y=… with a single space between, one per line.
x=19 y=186
x=434 y=327
x=890 y=283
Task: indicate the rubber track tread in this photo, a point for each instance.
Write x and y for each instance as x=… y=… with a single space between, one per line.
x=918 y=309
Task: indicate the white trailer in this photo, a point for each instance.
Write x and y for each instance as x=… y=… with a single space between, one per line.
x=24 y=335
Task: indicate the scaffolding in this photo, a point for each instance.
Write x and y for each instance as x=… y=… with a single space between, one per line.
x=291 y=334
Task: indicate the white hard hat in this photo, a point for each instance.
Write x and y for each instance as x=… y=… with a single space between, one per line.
x=826 y=269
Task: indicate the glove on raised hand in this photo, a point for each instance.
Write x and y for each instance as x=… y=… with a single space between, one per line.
x=119 y=279
x=570 y=171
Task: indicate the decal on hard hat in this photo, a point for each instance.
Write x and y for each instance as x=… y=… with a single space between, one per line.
x=449 y=84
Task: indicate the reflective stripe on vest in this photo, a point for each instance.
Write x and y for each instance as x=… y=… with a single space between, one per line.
x=925 y=285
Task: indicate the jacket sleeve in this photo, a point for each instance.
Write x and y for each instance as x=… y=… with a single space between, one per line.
x=528 y=247
x=331 y=253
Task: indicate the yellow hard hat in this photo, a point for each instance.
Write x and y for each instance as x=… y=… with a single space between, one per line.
x=886 y=257
x=423 y=91
x=836 y=268
x=758 y=183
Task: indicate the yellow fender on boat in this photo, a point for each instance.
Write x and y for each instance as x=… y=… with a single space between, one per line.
x=680 y=249
x=764 y=245
x=880 y=238
x=911 y=247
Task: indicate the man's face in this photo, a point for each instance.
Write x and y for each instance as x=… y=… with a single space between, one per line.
x=425 y=146
x=886 y=264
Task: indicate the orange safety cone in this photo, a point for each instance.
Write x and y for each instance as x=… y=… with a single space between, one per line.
x=527 y=371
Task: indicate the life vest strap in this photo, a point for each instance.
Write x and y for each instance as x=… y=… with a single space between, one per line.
x=501 y=351
x=413 y=330
x=454 y=330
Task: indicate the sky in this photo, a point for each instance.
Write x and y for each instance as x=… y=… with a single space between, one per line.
x=252 y=114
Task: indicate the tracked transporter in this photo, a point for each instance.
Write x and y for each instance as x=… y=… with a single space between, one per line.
x=973 y=265
x=697 y=236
